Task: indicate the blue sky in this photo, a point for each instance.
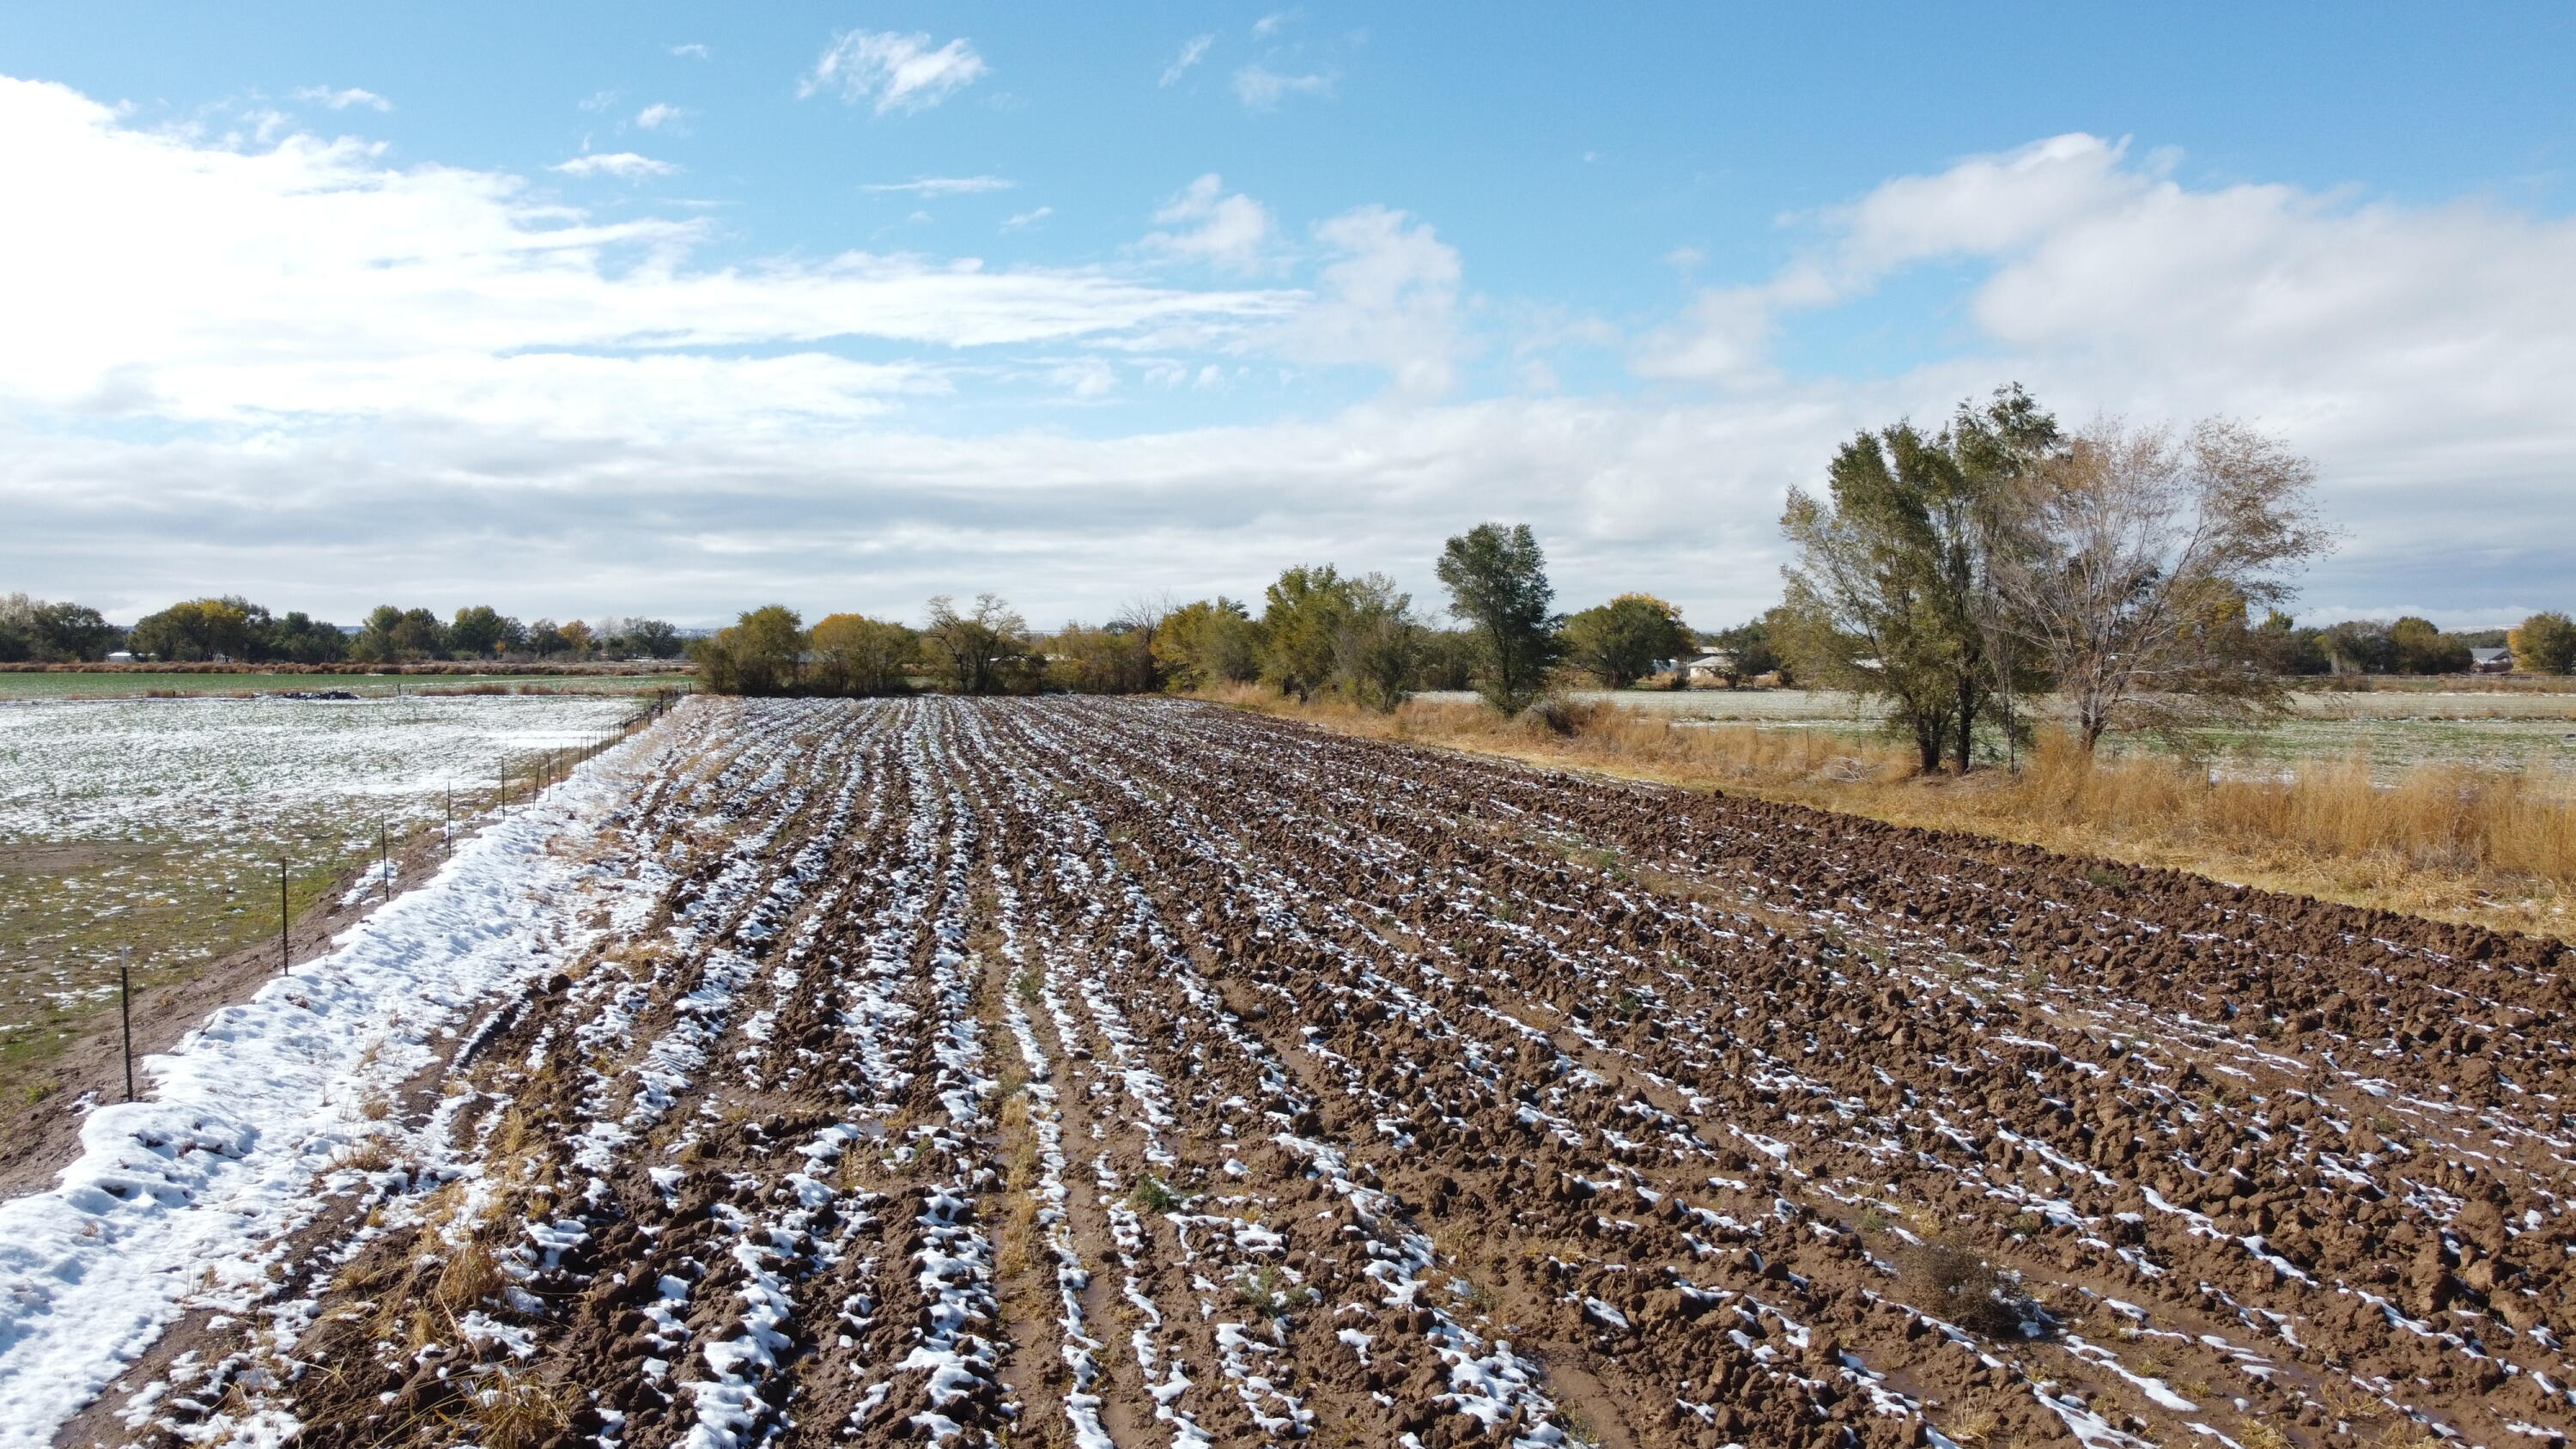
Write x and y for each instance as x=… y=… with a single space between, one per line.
x=677 y=309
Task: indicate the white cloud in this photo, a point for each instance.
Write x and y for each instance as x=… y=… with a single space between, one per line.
x=692 y=51
x=229 y=363
x=1088 y=378
x=661 y=115
x=1262 y=89
x=900 y=72
x=1724 y=338
x=1229 y=232
x=343 y=100
x=945 y=185
x=205 y=285
x=2405 y=348
x=1388 y=300
x=1271 y=24
x=1028 y=218
x=599 y=100
x=1193 y=51
x=624 y=164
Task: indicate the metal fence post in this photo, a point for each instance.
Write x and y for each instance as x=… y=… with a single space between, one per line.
x=125 y=1010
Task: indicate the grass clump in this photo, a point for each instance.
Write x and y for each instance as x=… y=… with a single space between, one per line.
x=470 y=1275
x=1261 y=1292
x=1950 y=1280
x=518 y=1411
x=1153 y=1196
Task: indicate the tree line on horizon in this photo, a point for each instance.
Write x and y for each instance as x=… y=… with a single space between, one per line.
x=2135 y=573
x=1319 y=633
x=232 y=628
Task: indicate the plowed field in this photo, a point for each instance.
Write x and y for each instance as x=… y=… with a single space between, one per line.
x=1142 y=1073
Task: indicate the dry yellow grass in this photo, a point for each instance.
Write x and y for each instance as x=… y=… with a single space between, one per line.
x=2496 y=848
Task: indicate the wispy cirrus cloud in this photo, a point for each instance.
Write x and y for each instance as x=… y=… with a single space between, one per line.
x=692 y=51
x=945 y=185
x=1260 y=88
x=662 y=116
x=623 y=164
x=1193 y=51
x=341 y=100
x=896 y=72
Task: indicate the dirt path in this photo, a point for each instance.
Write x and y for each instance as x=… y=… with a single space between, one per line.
x=1135 y=1073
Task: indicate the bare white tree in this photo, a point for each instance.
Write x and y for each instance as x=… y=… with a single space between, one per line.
x=1142 y=619
x=2132 y=560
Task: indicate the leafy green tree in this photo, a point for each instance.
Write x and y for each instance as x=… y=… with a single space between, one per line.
x=18 y=642
x=1085 y=660
x=53 y=633
x=1301 y=623
x=300 y=638
x=1497 y=580
x=2280 y=648
x=1207 y=643
x=651 y=638
x=1892 y=593
x=2543 y=644
x=2421 y=648
x=2358 y=646
x=200 y=629
x=375 y=642
x=477 y=631
x=980 y=652
x=1872 y=599
x=419 y=635
x=545 y=639
x=760 y=653
x=1447 y=659
x=1377 y=646
x=1747 y=649
x=857 y=655
x=1622 y=641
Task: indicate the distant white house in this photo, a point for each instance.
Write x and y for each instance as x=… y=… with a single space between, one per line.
x=1717 y=664
x=2490 y=661
x=120 y=656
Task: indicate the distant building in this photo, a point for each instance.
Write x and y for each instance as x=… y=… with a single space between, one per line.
x=120 y=656
x=2490 y=661
x=1716 y=665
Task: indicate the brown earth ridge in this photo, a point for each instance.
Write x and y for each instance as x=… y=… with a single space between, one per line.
x=1142 y=1072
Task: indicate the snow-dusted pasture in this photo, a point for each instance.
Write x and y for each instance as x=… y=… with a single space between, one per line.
x=158 y=825
x=206 y=769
